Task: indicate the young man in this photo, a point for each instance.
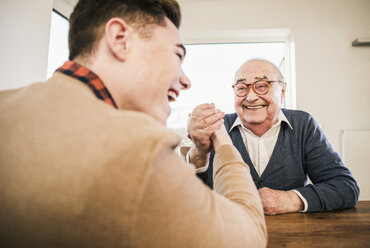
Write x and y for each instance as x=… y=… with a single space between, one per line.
x=86 y=160
x=282 y=147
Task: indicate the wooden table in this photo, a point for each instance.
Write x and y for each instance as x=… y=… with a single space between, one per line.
x=342 y=228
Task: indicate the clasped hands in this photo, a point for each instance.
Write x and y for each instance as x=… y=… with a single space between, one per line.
x=206 y=130
x=204 y=124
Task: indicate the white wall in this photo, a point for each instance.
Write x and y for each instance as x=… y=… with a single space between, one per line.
x=24 y=28
x=332 y=77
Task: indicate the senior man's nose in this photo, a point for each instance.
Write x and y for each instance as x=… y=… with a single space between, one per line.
x=251 y=96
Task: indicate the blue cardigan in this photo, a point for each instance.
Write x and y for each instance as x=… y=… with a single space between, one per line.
x=300 y=152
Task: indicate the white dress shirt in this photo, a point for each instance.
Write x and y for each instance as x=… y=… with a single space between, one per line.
x=260 y=148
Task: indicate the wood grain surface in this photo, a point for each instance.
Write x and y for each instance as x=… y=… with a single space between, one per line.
x=341 y=228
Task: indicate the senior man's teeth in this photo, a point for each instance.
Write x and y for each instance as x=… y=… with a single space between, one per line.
x=255 y=107
x=171 y=96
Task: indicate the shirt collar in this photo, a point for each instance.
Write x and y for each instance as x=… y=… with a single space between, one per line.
x=89 y=78
x=281 y=118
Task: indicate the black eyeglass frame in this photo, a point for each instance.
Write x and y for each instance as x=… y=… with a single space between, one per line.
x=253 y=86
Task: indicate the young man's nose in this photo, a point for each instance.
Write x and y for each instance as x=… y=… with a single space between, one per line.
x=185 y=82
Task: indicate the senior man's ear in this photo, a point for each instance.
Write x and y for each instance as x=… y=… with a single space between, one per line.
x=117 y=33
x=283 y=92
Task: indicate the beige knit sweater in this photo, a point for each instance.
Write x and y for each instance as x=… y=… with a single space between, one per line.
x=75 y=172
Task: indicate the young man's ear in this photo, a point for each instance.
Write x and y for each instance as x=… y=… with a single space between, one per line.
x=117 y=32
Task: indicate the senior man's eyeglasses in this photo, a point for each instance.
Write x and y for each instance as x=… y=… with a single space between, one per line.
x=260 y=87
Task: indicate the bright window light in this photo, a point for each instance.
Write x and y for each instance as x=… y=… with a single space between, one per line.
x=211 y=69
x=58 y=45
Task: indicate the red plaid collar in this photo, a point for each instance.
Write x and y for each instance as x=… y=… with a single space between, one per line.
x=86 y=76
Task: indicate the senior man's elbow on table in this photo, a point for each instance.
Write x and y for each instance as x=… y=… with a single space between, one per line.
x=282 y=147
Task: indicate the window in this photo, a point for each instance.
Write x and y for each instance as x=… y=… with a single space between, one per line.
x=211 y=69
x=58 y=44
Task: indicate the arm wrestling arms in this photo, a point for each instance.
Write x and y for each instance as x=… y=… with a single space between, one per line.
x=178 y=209
x=203 y=122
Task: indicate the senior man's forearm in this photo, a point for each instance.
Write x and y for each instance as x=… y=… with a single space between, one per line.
x=197 y=158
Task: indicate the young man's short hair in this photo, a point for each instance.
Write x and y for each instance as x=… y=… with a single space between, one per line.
x=88 y=19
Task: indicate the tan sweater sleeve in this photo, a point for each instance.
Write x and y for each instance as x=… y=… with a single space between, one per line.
x=177 y=210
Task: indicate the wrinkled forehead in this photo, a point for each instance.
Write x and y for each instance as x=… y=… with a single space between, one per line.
x=257 y=69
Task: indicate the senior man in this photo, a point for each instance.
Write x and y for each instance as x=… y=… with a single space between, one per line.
x=282 y=147
x=86 y=159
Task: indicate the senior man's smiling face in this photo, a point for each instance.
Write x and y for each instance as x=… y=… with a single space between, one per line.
x=259 y=111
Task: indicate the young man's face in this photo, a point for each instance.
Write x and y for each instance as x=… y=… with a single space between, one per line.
x=159 y=76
